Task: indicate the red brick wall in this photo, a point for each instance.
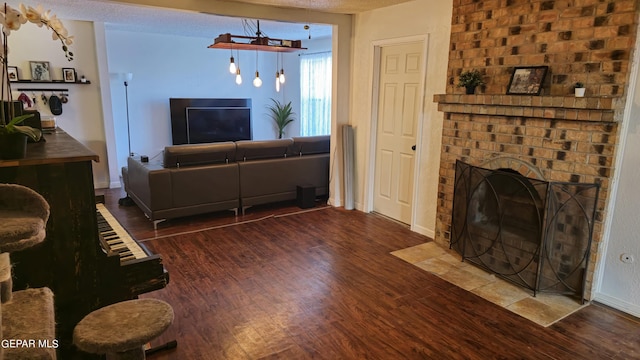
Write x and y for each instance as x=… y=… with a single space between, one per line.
x=580 y=40
x=567 y=139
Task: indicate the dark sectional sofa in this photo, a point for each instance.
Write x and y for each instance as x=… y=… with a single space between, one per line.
x=201 y=178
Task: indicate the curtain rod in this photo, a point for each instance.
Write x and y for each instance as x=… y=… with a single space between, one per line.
x=315 y=53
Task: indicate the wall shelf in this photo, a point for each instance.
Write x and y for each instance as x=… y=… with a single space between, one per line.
x=50 y=82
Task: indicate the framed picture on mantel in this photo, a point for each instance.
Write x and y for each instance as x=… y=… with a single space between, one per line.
x=527 y=80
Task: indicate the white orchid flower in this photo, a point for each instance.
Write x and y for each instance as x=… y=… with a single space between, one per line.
x=32 y=15
x=12 y=20
x=45 y=15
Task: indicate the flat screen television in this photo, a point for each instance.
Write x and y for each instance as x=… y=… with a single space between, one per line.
x=195 y=121
x=216 y=124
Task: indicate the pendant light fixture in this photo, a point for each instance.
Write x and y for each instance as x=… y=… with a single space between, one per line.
x=277 y=73
x=257 y=82
x=259 y=42
x=232 y=64
x=238 y=76
x=281 y=77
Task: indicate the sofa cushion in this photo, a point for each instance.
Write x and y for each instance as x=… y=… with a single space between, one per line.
x=264 y=149
x=199 y=154
x=307 y=145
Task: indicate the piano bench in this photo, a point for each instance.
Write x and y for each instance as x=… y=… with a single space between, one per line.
x=121 y=330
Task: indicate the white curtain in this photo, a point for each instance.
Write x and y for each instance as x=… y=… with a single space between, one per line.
x=315 y=97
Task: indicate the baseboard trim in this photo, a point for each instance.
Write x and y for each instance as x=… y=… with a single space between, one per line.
x=617 y=304
x=423 y=231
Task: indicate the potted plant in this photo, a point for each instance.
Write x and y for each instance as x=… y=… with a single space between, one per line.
x=282 y=115
x=470 y=80
x=13 y=138
x=579 y=89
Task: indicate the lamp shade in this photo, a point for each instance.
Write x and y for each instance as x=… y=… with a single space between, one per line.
x=128 y=76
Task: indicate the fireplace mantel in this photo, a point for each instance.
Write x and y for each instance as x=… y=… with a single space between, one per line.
x=598 y=109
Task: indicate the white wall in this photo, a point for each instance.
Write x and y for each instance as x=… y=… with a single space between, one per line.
x=82 y=116
x=167 y=66
x=619 y=283
x=419 y=17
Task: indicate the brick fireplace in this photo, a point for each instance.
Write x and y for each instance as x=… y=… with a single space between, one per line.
x=562 y=137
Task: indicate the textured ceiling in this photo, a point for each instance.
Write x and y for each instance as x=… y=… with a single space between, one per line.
x=159 y=20
x=331 y=6
x=188 y=23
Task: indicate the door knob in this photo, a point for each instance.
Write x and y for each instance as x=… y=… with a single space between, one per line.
x=413 y=148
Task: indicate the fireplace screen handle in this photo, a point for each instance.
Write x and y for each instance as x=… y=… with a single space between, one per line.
x=413 y=148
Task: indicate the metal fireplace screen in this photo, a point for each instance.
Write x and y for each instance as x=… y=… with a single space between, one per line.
x=534 y=233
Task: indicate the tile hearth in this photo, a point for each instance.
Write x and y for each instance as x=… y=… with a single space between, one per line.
x=543 y=309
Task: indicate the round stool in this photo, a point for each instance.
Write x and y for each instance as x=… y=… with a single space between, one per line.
x=121 y=330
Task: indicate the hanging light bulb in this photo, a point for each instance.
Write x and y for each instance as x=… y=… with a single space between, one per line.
x=308 y=28
x=232 y=65
x=281 y=71
x=257 y=82
x=238 y=77
x=277 y=81
x=281 y=76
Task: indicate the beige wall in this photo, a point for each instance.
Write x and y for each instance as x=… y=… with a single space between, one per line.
x=82 y=116
x=408 y=20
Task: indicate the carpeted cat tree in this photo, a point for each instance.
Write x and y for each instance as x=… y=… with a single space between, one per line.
x=26 y=314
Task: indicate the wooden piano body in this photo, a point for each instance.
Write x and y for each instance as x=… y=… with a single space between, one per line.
x=71 y=261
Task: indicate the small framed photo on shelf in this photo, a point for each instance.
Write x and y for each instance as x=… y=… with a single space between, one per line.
x=40 y=70
x=69 y=75
x=12 y=73
x=527 y=80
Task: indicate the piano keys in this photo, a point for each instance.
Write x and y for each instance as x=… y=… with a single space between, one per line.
x=141 y=270
x=116 y=238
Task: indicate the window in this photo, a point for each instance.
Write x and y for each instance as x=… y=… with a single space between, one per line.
x=315 y=94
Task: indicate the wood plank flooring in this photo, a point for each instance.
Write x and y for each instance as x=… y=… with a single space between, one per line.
x=323 y=285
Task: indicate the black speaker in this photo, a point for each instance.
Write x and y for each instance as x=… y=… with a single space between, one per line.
x=16 y=105
x=305 y=196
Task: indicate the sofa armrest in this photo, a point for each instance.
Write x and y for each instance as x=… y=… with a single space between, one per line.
x=149 y=184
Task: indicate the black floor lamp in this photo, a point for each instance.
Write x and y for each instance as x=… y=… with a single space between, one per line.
x=127 y=78
x=127 y=201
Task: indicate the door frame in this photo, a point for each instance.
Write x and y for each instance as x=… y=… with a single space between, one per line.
x=370 y=163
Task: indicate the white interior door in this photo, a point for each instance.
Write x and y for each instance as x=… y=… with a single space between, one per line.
x=398 y=110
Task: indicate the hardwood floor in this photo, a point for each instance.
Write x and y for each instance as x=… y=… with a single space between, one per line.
x=322 y=284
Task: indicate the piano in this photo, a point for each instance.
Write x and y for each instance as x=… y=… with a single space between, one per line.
x=141 y=270
x=83 y=273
